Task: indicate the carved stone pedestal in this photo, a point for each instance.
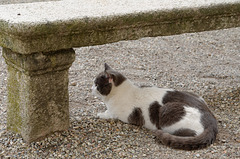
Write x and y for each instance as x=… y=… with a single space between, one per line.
x=38 y=100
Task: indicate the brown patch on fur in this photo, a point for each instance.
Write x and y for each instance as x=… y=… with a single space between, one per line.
x=185 y=143
x=102 y=84
x=154 y=113
x=173 y=110
x=190 y=93
x=117 y=77
x=188 y=98
x=136 y=117
x=171 y=113
x=184 y=132
x=102 y=81
x=208 y=120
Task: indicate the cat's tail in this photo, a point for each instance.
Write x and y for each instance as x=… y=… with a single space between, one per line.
x=187 y=143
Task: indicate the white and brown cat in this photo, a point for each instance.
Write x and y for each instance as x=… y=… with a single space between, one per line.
x=180 y=120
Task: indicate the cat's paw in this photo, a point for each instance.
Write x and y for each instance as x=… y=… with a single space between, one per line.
x=104 y=115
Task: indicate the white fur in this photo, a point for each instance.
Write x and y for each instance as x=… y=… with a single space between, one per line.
x=95 y=92
x=192 y=120
x=123 y=99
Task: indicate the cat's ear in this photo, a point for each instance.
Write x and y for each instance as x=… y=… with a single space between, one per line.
x=110 y=80
x=109 y=76
x=114 y=76
x=107 y=67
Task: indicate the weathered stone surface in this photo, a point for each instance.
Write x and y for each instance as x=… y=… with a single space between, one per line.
x=27 y=32
x=38 y=100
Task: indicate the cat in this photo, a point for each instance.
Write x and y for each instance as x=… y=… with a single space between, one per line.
x=178 y=119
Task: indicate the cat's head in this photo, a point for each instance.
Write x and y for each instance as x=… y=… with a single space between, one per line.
x=106 y=81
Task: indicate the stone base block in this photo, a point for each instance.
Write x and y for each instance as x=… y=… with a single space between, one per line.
x=38 y=100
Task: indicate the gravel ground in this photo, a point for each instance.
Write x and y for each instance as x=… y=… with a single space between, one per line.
x=207 y=63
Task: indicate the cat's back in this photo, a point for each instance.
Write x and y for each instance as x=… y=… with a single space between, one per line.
x=187 y=98
x=166 y=95
x=152 y=93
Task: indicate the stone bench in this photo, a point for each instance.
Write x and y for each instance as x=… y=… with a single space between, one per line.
x=37 y=41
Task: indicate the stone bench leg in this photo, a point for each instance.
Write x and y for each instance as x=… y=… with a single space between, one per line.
x=38 y=99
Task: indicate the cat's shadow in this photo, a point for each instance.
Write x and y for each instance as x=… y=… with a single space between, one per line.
x=91 y=128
